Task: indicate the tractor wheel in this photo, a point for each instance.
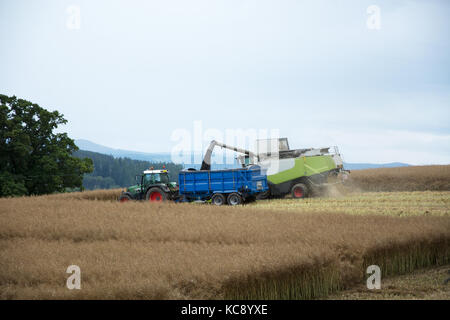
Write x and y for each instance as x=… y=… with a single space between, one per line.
x=234 y=199
x=218 y=199
x=155 y=195
x=299 y=191
x=124 y=198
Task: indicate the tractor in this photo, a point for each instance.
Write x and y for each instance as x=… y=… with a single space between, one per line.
x=153 y=185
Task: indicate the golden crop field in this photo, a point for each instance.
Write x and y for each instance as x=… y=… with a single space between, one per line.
x=273 y=249
x=414 y=178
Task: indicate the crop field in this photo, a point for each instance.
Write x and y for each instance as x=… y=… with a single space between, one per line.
x=273 y=249
x=414 y=178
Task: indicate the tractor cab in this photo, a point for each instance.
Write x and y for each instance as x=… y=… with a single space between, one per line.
x=154 y=177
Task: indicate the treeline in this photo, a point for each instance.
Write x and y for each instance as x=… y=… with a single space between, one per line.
x=110 y=172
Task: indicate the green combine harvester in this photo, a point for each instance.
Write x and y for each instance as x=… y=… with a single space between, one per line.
x=299 y=172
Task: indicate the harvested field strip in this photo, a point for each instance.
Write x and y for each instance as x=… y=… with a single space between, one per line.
x=419 y=203
x=166 y=251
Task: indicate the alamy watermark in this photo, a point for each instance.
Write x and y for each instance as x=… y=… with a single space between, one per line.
x=74 y=280
x=73 y=21
x=374 y=19
x=374 y=280
x=190 y=144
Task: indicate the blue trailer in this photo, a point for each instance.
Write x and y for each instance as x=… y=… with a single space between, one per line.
x=232 y=186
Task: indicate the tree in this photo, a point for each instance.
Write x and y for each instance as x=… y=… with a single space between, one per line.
x=33 y=158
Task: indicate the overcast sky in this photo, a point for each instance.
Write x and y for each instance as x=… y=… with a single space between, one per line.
x=131 y=73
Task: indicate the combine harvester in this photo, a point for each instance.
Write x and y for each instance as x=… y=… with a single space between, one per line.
x=299 y=172
x=273 y=171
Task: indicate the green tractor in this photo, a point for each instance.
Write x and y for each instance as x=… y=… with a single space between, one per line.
x=152 y=185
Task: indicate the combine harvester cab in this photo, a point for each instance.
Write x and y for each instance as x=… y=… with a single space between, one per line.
x=231 y=186
x=299 y=172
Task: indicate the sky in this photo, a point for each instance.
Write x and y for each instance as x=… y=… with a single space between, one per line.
x=371 y=77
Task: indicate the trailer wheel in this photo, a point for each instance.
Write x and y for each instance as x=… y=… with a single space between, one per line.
x=155 y=195
x=218 y=199
x=124 y=198
x=234 y=199
x=299 y=191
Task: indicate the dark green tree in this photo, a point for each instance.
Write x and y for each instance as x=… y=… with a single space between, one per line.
x=33 y=158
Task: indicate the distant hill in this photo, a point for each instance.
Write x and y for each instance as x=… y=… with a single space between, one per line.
x=166 y=157
x=119 y=153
